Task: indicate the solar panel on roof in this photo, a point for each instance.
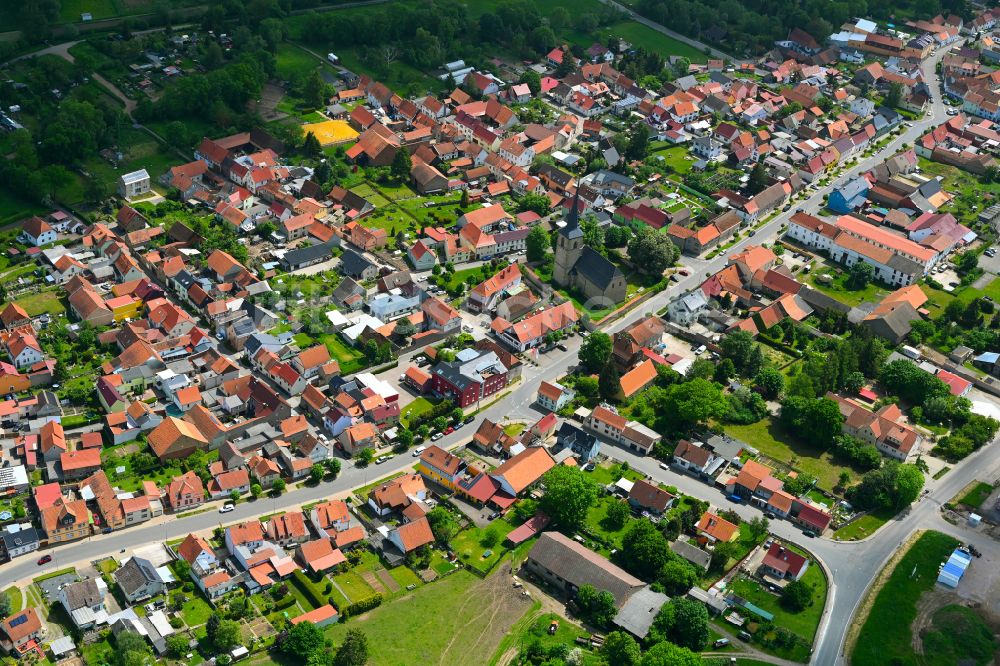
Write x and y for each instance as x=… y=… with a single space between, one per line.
x=19 y=620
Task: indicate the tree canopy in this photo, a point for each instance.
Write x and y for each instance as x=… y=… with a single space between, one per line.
x=569 y=493
x=595 y=351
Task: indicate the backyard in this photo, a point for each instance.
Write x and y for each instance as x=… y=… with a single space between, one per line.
x=459 y=620
x=837 y=286
x=803 y=624
x=481 y=548
x=49 y=301
x=772 y=439
x=598 y=524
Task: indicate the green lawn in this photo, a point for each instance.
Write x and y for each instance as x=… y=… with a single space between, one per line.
x=533 y=627
x=886 y=636
x=16 y=598
x=440 y=564
x=196 y=610
x=13 y=208
x=838 y=289
x=70 y=10
x=354 y=586
x=651 y=40
x=419 y=406
x=471 y=545
x=976 y=495
x=442 y=623
x=803 y=624
x=351 y=360
x=608 y=473
x=958 y=634
x=292 y=59
x=864 y=526
x=770 y=438
x=404 y=577
x=673 y=156
x=597 y=522
x=44 y=301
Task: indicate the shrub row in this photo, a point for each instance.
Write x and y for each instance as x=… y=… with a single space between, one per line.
x=363 y=606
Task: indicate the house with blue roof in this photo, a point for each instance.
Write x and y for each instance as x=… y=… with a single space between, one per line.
x=848 y=197
x=988 y=361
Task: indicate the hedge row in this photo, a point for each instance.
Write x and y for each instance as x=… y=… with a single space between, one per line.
x=308 y=589
x=363 y=606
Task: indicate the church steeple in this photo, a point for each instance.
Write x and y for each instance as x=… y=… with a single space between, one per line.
x=572 y=228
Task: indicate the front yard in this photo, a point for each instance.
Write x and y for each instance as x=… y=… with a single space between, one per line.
x=864 y=526
x=803 y=624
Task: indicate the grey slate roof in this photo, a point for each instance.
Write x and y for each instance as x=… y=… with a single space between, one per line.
x=580 y=566
x=596 y=267
x=304 y=255
x=135 y=575
x=15 y=540
x=353 y=264
x=692 y=554
x=83 y=594
x=638 y=613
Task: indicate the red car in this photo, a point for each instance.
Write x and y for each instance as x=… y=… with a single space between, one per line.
x=449 y=430
x=44 y=559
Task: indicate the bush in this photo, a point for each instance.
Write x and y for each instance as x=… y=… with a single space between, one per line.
x=308 y=589
x=363 y=606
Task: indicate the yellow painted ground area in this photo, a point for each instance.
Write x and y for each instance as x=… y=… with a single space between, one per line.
x=330 y=132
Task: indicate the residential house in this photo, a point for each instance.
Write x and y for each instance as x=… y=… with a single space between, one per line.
x=714 y=529
x=185 y=492
x=66 y=521
x=583 y=445
x=36 y=231
x=783 y=563
x=22 y=633
x=885 y=429
x=412 y=535
x=138 y=579
x=84 y=601
x=644 y=496
x=553 y=396
x=522 y=471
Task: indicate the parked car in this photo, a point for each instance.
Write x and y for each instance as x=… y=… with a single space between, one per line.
x=722 y=642
x=436 y=436
x=562 y=347
x=227 y=507
x=44 y=559
x=420 y=449
x=809 y=533
x=449 y=430
x=382 y=459
x=735 y=499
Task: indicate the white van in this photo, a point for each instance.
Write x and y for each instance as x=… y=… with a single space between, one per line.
x=332 y=57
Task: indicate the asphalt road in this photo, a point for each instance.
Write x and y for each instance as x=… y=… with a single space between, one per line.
x=853 y=565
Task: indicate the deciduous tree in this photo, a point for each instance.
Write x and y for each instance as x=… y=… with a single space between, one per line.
x=569 y=493
x=595 y=351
